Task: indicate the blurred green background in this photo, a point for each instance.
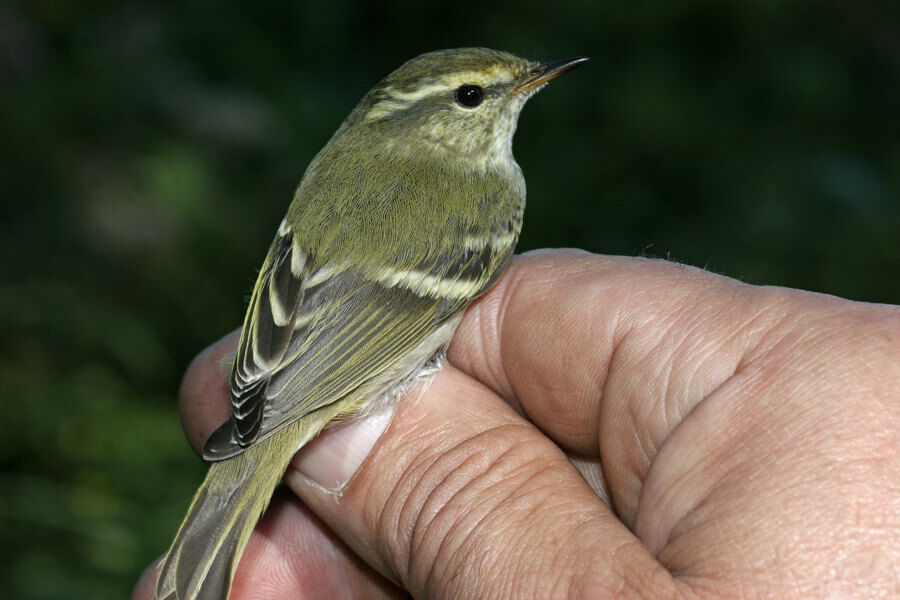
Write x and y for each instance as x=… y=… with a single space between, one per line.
x=149 y=150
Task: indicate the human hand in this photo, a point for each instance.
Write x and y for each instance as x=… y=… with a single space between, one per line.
x=684 y=435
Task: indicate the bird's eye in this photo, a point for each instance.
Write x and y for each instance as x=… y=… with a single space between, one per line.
x=469 y=96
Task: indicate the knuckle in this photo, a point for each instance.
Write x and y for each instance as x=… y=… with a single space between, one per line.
x=463 y=517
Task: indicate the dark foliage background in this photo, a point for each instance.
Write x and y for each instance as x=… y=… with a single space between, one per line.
x=149 y=150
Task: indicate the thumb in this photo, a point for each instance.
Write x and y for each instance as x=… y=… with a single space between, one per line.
x=463 y=498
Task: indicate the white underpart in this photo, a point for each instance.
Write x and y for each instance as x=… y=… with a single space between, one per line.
x=413 y=366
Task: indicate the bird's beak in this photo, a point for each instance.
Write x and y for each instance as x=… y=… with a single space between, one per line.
x=547 y=71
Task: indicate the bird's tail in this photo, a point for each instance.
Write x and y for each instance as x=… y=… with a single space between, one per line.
x=201 y=562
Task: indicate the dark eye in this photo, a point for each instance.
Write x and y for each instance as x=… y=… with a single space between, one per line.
x=469 y=96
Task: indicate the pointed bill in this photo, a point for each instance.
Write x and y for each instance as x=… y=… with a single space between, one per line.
x=547 y=71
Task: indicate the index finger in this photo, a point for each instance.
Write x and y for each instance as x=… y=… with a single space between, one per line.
x=582 y=342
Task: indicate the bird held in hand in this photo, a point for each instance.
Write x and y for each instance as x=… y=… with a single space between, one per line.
x=408 y=214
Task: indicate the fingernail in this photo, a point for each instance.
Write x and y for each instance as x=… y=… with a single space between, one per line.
x=336 y=454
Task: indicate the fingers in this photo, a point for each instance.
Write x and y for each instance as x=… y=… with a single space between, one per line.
x=606 y=355
x=460 y=498
x=293 y=555
x=540 y=337
x=204 y=401
x=463 y=498
x=734 y=423
x=551 y=334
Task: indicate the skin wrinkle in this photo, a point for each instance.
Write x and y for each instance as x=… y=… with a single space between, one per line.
x=678 y=485
x=431 y=578
x=687 y=351
x=403 y=498
x=759 y=329
x=759 y=325
x=778 y=331
x=400 y=551
x=384 y=522
x=653 y=467
x=583 y=389
x=822 y=430
x=670 y=488
x=626 y=353
x=669 y=403
x=562 y=577
x=431 y=467
x=619 y=502
x=747 y=426
x=635 y=584
x=647 y=449
x=571 y=572
x=501 y=504
x=420 y=529
x=562 y=421
x=490 y=337
x=721 y=528
x=839 y=463
x=684 y=526
x=374 y=554
x=419 y=538
x=722 y=312
x=511 y=284
x=468 y=543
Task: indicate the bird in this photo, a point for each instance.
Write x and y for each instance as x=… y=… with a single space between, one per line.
x=410 y=212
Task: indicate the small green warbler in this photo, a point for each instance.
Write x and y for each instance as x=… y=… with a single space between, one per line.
x=408 y=214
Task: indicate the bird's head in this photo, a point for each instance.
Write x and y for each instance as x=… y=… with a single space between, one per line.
x=456 y=105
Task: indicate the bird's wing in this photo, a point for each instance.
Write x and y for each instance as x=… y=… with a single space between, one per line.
x=316 y=334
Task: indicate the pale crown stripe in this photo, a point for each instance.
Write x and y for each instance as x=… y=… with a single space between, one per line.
x=385 y=108
x=417 y=94
x=401 y=100
x=449 y=82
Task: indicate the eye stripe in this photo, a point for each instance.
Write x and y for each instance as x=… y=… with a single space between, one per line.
x=416 y=94
x=397 y=100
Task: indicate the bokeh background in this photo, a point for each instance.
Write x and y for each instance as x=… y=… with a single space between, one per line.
x=149 y=149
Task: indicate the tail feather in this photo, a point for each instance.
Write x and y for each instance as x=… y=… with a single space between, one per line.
x=201 y=562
